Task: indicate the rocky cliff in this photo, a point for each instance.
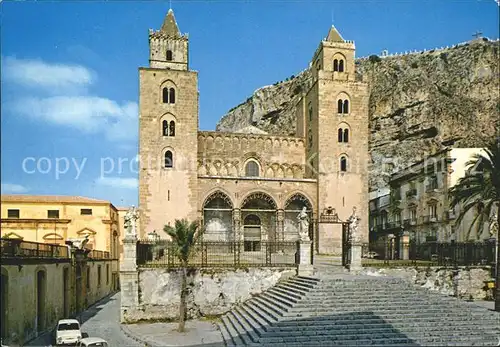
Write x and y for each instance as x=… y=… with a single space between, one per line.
x=419 y=104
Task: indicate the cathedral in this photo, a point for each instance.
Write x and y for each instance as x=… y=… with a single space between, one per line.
x=250 y=187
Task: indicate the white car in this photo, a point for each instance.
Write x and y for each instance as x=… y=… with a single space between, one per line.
x=92 y=342
x=68 y=332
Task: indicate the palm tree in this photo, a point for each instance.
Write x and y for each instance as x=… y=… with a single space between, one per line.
x=480 y=189
x=184 y=237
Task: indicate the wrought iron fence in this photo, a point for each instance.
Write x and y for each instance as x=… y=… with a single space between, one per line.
x=95 y=254
x=26 y=249
x=162 y=253
x=396 y=253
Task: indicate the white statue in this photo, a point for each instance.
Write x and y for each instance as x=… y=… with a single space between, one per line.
x=303 y=224
x=80 y=243
x=353 y=221
x=130 y=221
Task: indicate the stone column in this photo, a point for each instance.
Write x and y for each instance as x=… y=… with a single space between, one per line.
x=355 y=256
x=305 y=268
x=129 y=279
x=238 y=236
x=404 y=246
x=280 y=229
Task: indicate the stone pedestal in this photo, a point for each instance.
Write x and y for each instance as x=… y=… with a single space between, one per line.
x=404 y=246
x=355 y=257
x=129 y=278
x=305 y=267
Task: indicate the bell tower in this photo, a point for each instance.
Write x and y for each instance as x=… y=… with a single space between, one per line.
x=168 y=131
x=333 y=119
x=168 y=49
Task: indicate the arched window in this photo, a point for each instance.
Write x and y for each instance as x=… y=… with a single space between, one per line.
x=172 y=96
x=165 y=95
x=340 y=107
x=346 y=107
x=169 y=160
x=341 y=135
x=343 y=163
x=165 y=128
x=341 y=65
x=346 y=135
x=252 y=169
x=169 y=55
x=310 y=114
x=336 y=65
x=172 y=128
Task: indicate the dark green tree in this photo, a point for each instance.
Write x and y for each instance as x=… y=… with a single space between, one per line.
x=480 y=189
x=184 y=236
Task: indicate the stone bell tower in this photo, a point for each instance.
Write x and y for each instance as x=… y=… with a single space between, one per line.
x=334 y=122
x=168 y=129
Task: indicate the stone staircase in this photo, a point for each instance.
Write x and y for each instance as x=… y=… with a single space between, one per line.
x=348 y=310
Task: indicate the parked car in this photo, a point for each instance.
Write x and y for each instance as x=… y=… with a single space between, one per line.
x=67 y=332
x=92 y=342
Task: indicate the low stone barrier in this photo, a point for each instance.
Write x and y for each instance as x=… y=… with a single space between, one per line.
x=210 y=292
x=462 y=282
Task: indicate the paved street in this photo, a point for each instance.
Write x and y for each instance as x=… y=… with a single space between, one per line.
x=101 y=320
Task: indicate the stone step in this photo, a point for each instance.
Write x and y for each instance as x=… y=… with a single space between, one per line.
x=283 y=295
x=265 y=319
x=269 y=306
x=294 y=288
x=369 y=319
x=236 y=340
x=226 y=336
x=302 y=282
x=386 y=311
x=280 y=298
x=246 y=329
x=286 y=292
x=272 y=313
x=277 y=303
x=310 y=279
x=425 y=328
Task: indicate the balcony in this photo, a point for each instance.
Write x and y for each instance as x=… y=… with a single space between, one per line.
x=410 y=222
x=411 y=193
x=430 y=219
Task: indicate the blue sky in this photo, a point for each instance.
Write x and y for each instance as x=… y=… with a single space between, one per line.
x=70 y=71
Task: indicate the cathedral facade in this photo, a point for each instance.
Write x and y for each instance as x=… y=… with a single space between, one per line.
x=250 y=187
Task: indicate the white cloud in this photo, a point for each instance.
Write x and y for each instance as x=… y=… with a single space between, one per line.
x=51 y=77
x=118 y=182
x=90 y=114
x=9 y=188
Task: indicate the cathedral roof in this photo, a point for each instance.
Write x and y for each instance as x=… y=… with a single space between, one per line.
x=169 y=27
x=334 y=35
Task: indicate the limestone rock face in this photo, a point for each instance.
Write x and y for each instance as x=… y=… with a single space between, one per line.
x=419 y=104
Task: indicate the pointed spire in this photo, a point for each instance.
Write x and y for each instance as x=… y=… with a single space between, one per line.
x=169 y=26
x=334 y=35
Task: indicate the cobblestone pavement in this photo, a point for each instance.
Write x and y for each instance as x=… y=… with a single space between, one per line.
x=101 y=320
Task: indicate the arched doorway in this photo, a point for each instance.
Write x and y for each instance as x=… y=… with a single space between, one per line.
x=217 y=218
x=258 y=212
x=251 y=233
x=4 y=285
x=293 y=206
x=40 y=300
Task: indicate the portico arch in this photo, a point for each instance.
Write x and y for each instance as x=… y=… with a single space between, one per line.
x=293 y=205
x=258 y=213
x=217 y=217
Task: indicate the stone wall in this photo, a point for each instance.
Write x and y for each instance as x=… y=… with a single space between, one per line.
x=467 y=283
x=211 y=292
x=37 y=293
